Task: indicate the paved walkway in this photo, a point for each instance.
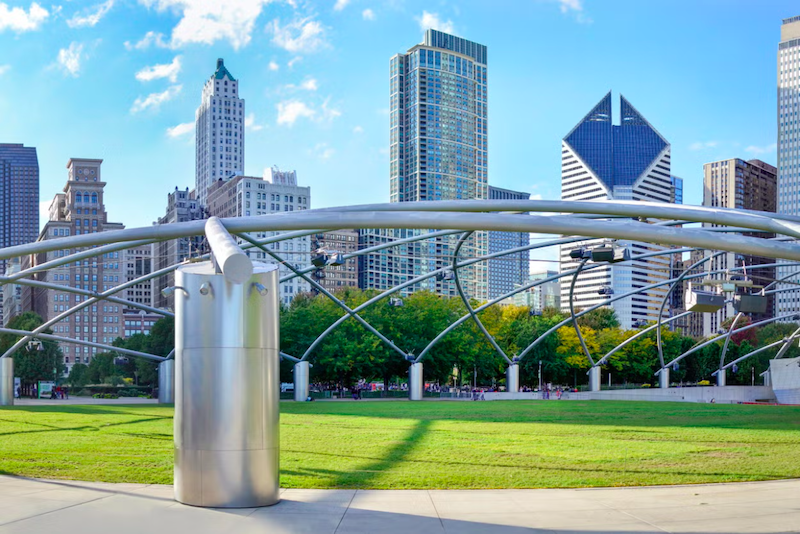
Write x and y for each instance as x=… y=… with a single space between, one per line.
x=40 y=506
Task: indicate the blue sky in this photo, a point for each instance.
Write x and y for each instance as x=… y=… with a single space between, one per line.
x=120 y=80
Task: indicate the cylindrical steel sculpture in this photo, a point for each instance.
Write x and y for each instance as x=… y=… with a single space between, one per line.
x=6 y=381
x=594 y=378
x=415 y=382
x=227 y=387
x=166 y=382
x=301 y=372
x=512 y=378
x=663 y=378
x=721 y=378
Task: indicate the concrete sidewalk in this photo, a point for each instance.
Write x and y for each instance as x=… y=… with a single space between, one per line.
x=40 y=506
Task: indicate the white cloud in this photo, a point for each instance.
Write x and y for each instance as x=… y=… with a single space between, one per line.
x=18 y=20
x=368 y=14
x=166 y=70
x=250 y=123
x=575 y=7
x=323 y=151
x=327 y=113
x=358 y=130
x=291 y=110
x=273 y=66
x=340 y=5
x=302 y=36
x=154 y=100
x=536 y=196
x=44 y=209
x=432 y=21
x=700 y=145
x=759 y=150
x=310 y=84
x=292 y=62
x=91 y=17
x=4 y=69
x=181 y=129
x=149 y=39
x=209 y=21
x=69 y=59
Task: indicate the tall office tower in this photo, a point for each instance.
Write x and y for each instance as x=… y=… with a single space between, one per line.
x=79 y=210
x=739 y=184
x=334 y=277
x=507 y=271
x=677 y=190
x=219 y=132
x=439 y=137
x=138 y=263
x=19 y=197
x=182 y=206
x=245 y=196
x=602 y=161
x=789 y=141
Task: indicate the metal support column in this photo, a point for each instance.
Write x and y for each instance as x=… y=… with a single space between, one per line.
x=721 y=378
x=663 y=378
x=227 y=379
x=594 y=378
x=512 y=378
x=301 y=372
x=415 y=382
x=166 y=382
x=6 y=381
x=767 y=378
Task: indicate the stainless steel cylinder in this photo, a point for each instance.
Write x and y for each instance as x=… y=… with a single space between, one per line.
x=594 y=379
x=227 y=387
x=663 y=378
x=767 y=379
x=512 y=378
x=301 y=372
x=166 y=382
x=6 y=381
x=415 y=382
x=721 y=378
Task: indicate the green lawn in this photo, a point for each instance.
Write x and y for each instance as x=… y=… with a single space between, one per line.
x=432 y=444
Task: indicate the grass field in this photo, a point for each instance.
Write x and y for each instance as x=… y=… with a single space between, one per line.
x=432 y=444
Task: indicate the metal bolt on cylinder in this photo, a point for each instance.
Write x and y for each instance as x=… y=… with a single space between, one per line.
x=415 y=382
x=301 y=372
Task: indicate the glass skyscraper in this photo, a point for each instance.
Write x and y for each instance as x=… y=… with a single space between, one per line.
x=439 y=141
x=788 y=140
x=629 y=161
x=507 y=271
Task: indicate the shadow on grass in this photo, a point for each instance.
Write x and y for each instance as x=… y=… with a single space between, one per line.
x=95 y=428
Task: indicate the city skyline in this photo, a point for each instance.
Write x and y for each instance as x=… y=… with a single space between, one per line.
x=310 y=116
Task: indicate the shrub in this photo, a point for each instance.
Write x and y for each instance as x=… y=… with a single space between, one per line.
x=645 y=385
x=704 y=383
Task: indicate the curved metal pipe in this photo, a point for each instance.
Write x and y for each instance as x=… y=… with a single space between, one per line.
x=467 y=304
x=639 y=334
x=786 y=344
x=728 y=339
x=572 y=311
x=107 y=348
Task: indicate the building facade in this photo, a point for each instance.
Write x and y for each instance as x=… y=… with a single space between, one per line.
x=245 y=196
x=138 y=263
x=438 y=142
x=79 y=209
x=747 y=185
x=219 y=132
x=182 y=206
x=506 y=272
x=603 y=161
x=335 y=277
x=19 y=197
x=788 y=113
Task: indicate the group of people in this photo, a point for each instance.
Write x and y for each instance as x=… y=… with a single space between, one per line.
x=60 y=392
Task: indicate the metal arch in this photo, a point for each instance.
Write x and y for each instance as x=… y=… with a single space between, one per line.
x=572 y=311
x=328 y=294
x=108 y=348
x=659 y=343
x=728 y=339
x=741 y=329
x=117 y=289
x=786 y=344
x=466 y=302
x=639 y=334
x=564 y=225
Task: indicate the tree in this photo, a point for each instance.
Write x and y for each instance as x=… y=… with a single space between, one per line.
x=78 y=375
x=599 y=319
x=31 y=364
